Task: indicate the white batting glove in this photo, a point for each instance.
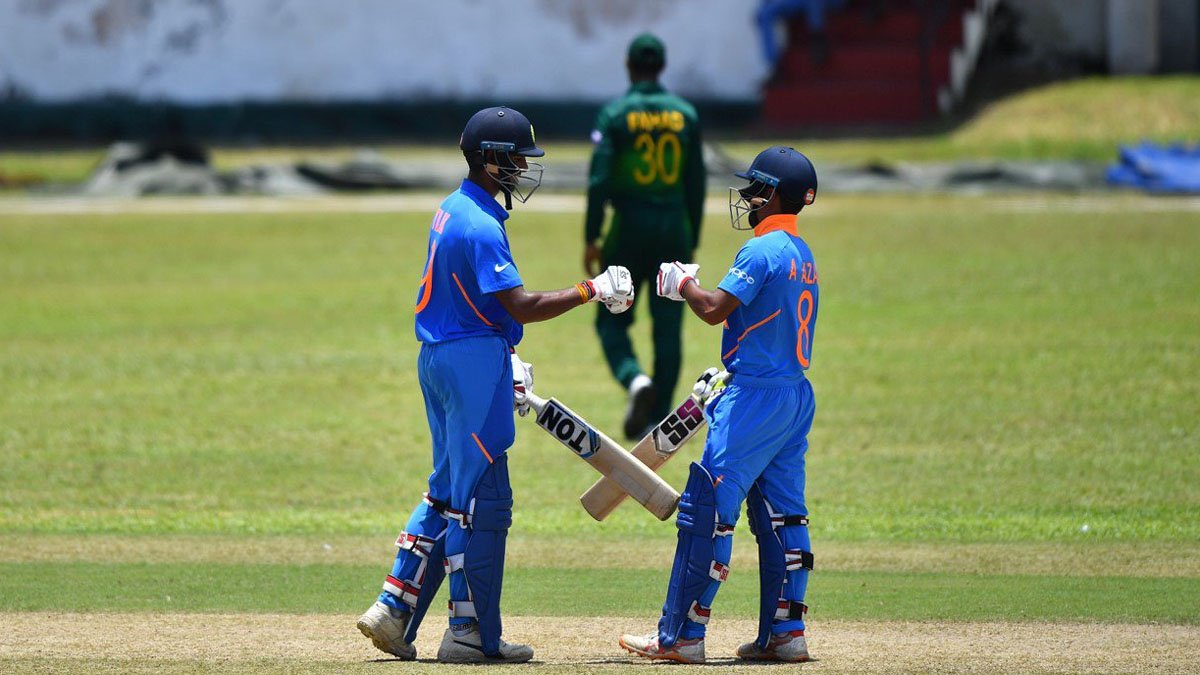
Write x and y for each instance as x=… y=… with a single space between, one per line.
x=673 y=276
x=711 y=382
x=522 y=384
x=614 y=288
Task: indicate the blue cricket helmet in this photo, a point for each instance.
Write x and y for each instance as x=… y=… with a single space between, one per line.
x=500 y=128
x=777 y=169
x=787 y=170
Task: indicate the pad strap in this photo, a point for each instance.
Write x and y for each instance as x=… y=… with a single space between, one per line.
x=407 y=591
x=454 y=563
x=718 y=572
x=699 y=613
x=797 y=559
x=780 y=520
x=462 y=608
x=790 y=609
x=436 y=504
x=418 y=544
x=463 y=517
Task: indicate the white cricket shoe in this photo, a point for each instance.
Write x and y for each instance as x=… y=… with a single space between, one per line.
x=641 y=400
x=683 y=651
x=790 y=647
x=466 y=646
x=385 y=627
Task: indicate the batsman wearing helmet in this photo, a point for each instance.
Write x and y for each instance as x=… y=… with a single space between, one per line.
x=758 y=425
x=648 y=163
x=470 y=308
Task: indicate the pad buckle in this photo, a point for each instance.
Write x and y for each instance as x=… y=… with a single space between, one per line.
x=437 y=505
x=798 y=559
x=422 y=546
x=698 y=613
x=462 y=608
x=407 y=591
x=790 y=609
x=718 y=571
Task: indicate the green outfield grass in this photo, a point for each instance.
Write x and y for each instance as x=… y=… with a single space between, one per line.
x=982 y=375
x=218 y=413
x=1082 y=120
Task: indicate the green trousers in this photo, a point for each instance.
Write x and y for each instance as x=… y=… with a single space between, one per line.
x=640 y=239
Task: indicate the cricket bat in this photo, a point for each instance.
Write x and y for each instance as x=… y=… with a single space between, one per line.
x=654 y=450
x=627 y=474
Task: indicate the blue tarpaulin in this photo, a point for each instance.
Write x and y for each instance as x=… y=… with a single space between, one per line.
x=1154 y=168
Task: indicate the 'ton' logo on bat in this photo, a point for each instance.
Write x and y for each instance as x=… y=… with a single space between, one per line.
x=569 y=430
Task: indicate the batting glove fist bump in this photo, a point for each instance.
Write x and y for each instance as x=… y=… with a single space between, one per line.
x=673 y=276
x=613 y=288
x=522 y=384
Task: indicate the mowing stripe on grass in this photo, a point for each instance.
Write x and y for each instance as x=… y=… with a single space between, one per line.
x=1097 y=558
x=568 y=592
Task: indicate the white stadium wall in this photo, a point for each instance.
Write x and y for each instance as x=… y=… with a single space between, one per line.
x=224 y=51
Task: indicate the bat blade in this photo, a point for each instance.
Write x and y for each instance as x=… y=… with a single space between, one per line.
x=629 y=475
x=654 y=450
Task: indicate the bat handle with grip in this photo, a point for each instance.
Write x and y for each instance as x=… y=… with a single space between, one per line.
x=536 y=402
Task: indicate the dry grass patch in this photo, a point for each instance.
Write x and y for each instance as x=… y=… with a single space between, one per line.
x=263 y=643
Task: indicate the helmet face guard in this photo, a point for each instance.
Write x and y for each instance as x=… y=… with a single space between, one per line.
x=514 y=180
x=745 y=201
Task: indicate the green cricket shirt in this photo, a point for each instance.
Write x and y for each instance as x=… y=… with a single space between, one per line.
x=647 y=155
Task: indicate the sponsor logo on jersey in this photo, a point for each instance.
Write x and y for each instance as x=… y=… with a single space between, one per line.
x=737 y=272
x=569 y=430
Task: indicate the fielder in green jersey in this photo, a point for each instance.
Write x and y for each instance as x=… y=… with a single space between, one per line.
x=649 y=165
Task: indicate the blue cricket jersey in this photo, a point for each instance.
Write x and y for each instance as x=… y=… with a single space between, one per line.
x=770 y=335
x=467 y=260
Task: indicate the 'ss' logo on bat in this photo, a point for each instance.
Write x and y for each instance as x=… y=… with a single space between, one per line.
x=678 y=427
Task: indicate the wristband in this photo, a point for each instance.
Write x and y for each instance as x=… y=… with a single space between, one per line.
x=586 y=291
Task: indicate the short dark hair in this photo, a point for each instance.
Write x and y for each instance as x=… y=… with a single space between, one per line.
x=644 y=72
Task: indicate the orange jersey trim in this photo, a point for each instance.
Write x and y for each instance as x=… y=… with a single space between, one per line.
x=426 y=281
x=481 y=448
x=785 y=222
x=473 y=308
x=747 y=332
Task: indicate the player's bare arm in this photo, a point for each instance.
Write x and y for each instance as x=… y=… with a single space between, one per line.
x=613 y=288
x=678 y=281
x=713 y=306
x=532 y=306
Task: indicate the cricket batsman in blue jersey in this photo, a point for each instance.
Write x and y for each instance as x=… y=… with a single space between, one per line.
x=470 y=308
x=758 y=425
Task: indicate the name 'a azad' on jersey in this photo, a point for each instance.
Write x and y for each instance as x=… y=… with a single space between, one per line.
x=774 y=275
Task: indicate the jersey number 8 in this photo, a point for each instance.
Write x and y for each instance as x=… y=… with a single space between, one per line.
x=655 y=158
x=804 y=333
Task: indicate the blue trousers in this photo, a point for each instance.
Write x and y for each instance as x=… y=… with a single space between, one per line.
x=758 y=431
x=467 y=386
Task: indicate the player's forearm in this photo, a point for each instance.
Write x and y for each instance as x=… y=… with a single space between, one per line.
x=705 y=304
x=533 y=306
